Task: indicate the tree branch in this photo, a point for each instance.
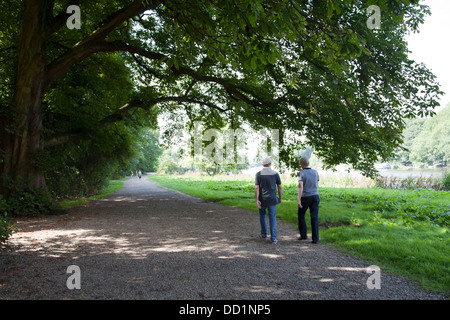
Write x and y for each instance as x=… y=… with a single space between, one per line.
x=234 y=90
x=59 y=139
x=94 y=42
x=121 y=113
x=77 y=53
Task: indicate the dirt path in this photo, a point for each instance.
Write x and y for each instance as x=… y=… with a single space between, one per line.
x=145 y=242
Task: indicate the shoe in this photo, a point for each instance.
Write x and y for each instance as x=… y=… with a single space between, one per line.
x=263 y=236
x=300 y=238
x=274 y=242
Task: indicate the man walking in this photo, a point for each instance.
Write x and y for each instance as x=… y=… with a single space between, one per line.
x=267 y=182
x=308 y=197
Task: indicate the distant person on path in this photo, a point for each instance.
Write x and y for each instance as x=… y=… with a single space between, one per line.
x=140 y=174
x=308 y=197
x=267 y=182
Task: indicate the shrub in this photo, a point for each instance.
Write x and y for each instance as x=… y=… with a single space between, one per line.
x=6 y=229
x=446 y=181
x=410 y=183
x=6 y=226
x=30 y=202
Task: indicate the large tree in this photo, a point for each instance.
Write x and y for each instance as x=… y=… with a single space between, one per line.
x=309 y=68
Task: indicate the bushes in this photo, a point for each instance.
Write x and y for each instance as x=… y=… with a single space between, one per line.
x=413 y=183
x=31 y=202
x=6 y=229
x=6 y=226
x=74 y=171
x=83 y=168
x=446 y=181
x=409 y=183
x=24 y=201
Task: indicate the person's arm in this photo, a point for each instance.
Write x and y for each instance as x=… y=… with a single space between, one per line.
x=280 y=192
x=300 y=191
x=258 y=203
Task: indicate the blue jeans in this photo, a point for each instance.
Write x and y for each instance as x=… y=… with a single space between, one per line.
x=272 y=220
x=312 y=203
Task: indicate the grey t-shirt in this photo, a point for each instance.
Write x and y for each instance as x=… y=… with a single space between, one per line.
x=268 y=179
x=310 y=179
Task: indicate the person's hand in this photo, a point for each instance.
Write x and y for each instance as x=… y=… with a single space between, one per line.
x=299 y=203
x=258 y=203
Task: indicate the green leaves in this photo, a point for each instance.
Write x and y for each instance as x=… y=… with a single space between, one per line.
x=308 y=68
x=432 y=143
x=333 y=7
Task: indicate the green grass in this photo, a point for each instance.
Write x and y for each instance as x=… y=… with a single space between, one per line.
x=113 y=186
x=402 y=231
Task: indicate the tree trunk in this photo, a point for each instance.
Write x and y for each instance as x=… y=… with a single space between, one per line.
x=21 y=129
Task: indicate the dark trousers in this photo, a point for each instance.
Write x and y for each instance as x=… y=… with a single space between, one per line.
x=312 y=203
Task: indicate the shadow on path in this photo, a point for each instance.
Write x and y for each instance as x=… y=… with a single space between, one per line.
x=145 y=242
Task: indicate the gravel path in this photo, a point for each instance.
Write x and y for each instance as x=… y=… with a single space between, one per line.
x=145 y=242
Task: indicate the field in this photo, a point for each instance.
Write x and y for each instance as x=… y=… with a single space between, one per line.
x=402 y=231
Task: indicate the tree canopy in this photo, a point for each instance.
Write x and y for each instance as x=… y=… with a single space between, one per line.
x=312 y=69
x=432 y=144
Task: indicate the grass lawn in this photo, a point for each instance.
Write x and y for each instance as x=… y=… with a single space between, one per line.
x=402 y=231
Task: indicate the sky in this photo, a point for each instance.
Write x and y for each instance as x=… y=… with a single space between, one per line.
x=432 y=45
